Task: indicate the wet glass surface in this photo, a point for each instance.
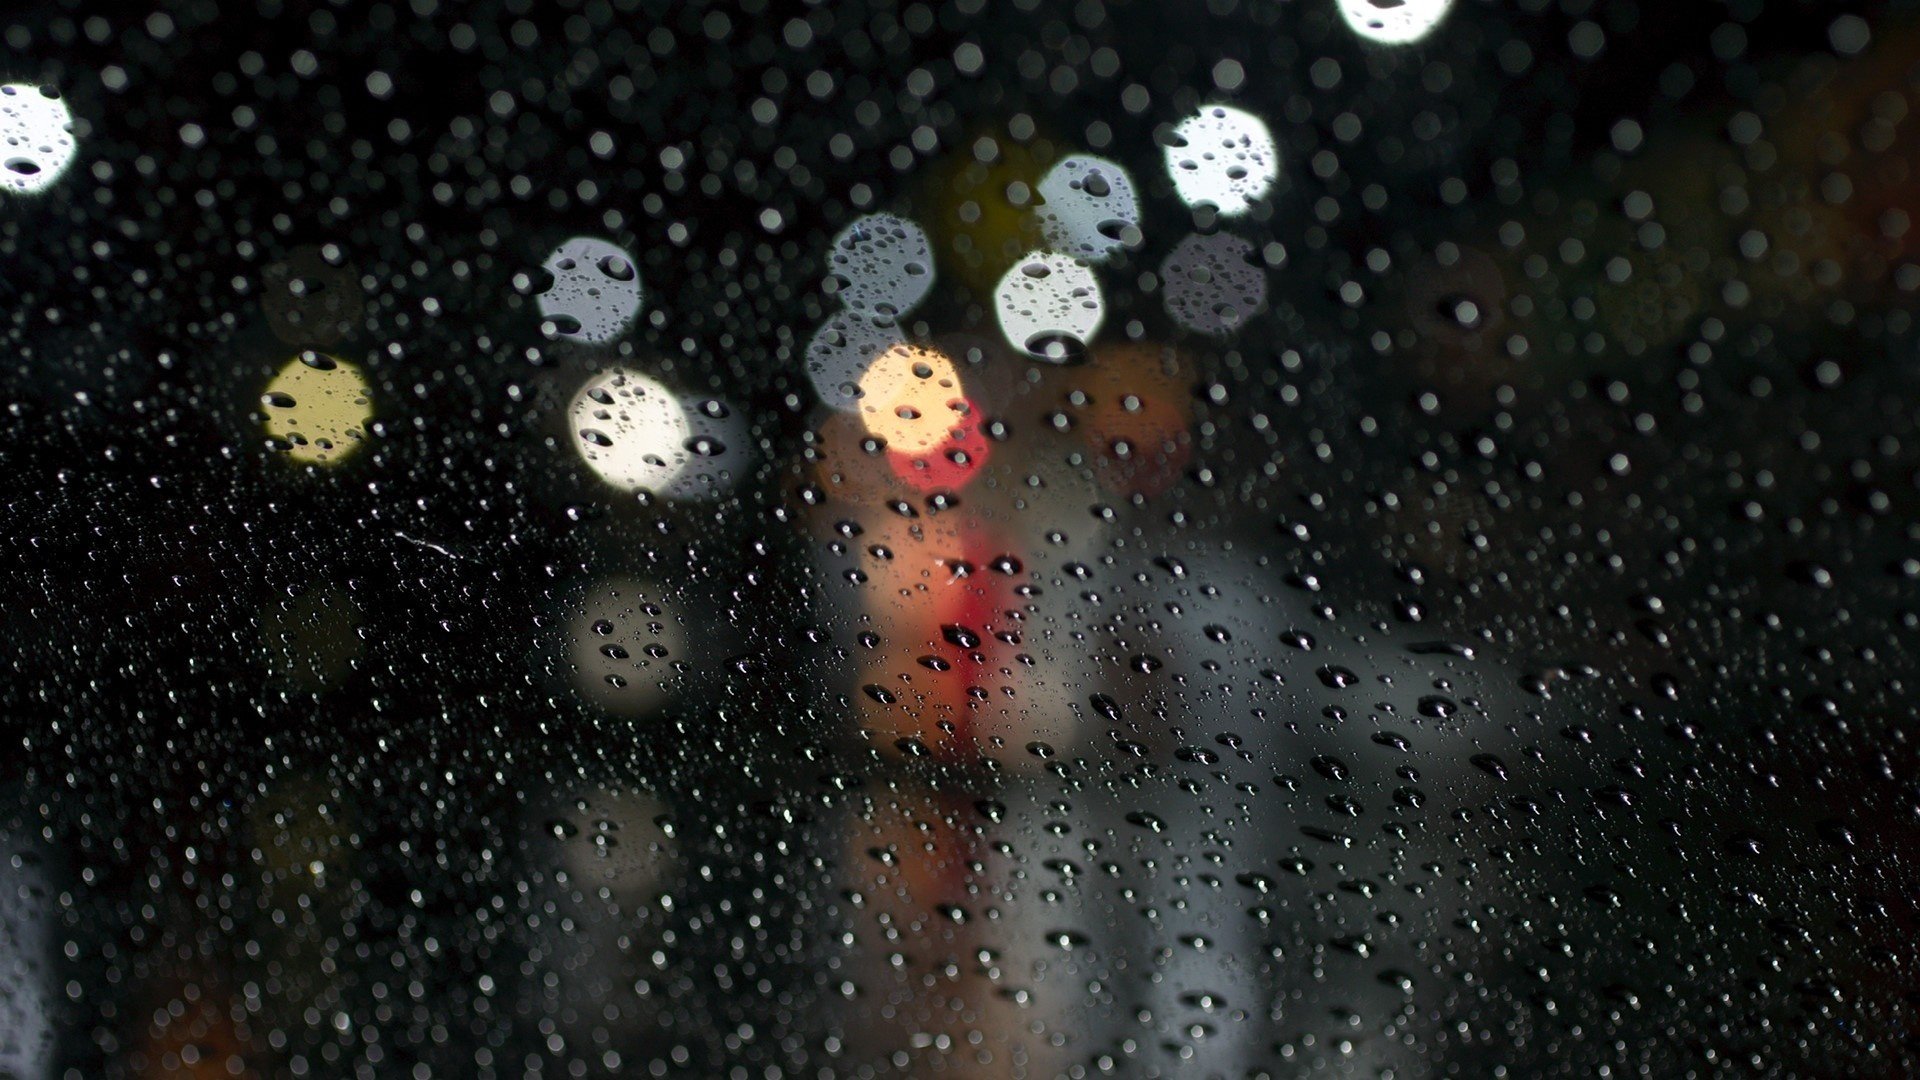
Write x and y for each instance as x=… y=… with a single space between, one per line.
x=955 y=538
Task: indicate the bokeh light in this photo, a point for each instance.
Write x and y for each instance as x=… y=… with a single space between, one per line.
x=851 y=466
x=1212 y=285
x=1090 y=210
x=950 y=463
x=912 y=399
x=310 y=636
x=1133 y=408
x=310 y=299
x=980 y=203
x=318 y=407
x=1050 y=306
x=36 y=138
x=595 y=292
x=630 y=430
x=716 y=451
x=1222 y=157
x=624 y=640
x=882 y=265
x=839 y=354
x=1393 y=22
x=612 y=840
x=27 y=984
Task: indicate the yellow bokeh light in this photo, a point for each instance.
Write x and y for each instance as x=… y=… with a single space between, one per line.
x=318 y=406
x=911 y=398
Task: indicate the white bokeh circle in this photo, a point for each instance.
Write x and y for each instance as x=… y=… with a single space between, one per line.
x=1089 y=209
x=595 y=292
x=881 y=265
x=36 y=138
x=1049 y=305
x=1222 y=157
x=1393 y=22
x=630 y=430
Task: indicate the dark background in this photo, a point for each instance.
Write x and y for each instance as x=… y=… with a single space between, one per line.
x=1682 y=556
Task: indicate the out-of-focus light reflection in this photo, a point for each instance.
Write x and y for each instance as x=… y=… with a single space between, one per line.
x=630 y=430
x=1090 y=209
x=1212 y=285
x=318 y=407
x=912 y=399
x=26 y=966
x=1393 y=22
x=613 y=840
x=841 y=351
x=1050 y=306
x=945 y=677
x=601 y=865
x=36 y=138
x=1222 y=157
x=595 y=292
x=304 y=834
x=1051 y=499
x=309 y=300
x=625 y=641
x=950 y=463
x=882 y=265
